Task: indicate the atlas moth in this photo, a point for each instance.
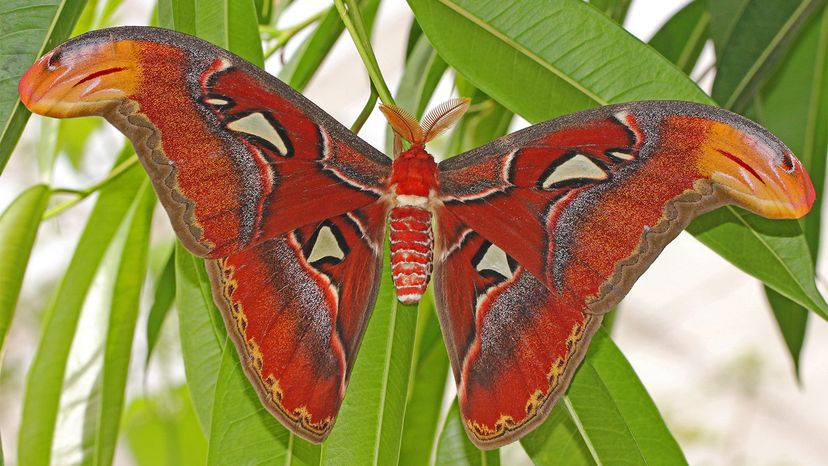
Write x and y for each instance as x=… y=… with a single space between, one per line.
x=527 y=240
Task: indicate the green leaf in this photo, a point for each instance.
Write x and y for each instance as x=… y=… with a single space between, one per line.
x=758 y=40
x=775 y=252
x=485 y=121
x=162 y=302
x=422 y=73
x=723 y=19
x=455 y=449
x=163 y=430
x=681 y=39
x=558 y=51
x=2 y=460
x=201 y=330
x=27 y=31
x=369 y=427
x=18 y=228
x=422 y=415
x=178 y=15
x=243 y=431
x=46 y=375
x=264 y=10
x=615 y=9
x=300 y=68
x=556 y=54
x=414 y=34
x=612 y=413
x=792 y=320
x=126 y=298
x=232 y=25
x=794 y=105
x=558 y=441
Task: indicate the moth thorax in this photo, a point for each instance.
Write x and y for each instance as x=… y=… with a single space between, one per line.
x=412 y=244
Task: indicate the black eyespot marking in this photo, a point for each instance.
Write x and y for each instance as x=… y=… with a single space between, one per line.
x=54 y=60
x=787 y=162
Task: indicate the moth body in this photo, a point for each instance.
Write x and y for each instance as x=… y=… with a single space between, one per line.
x=413 y=180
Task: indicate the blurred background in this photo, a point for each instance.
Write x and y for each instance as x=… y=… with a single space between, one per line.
x=696 y=330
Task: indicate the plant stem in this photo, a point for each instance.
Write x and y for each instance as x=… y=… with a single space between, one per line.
x=282 y=36
x=366 y=111
x=84 y=193
x=353 y=22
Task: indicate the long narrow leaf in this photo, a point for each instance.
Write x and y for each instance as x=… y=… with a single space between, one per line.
x=619 y=420
x=126 y=297
x=556 y=55
x=422 y=416
x=243 y=431
x=163 y=430
x=369 y=427
x=723 y=19
x=759 y=38
x=615 y=9
x=423 y=71
x=794 y=104
x=18 y=228
x=45 y=378
x=163 y=299
x=201 y=331
x=178 y=15
x=299 y=70
x=558 y=51
x=455 y=449
x=682 y=37
x=232 y=25
x=559 y=441
x=27 y=30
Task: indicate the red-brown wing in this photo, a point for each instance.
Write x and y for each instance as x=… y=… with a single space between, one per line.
x=542 y=231
x=513 y=344
x=588 y=200
x=296 y=307
x=236 y=156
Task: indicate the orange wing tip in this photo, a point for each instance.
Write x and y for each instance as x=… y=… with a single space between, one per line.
x=403 y=123
x=754 y=169
x=81 y=78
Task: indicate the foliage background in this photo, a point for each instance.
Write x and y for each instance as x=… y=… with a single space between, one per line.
x=728 y=377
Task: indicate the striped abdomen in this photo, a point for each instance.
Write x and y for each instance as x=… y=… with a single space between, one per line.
x=411 y=251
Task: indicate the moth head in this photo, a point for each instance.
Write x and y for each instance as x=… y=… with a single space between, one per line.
x=756 y=170
x=81 y=77
x=434 y=123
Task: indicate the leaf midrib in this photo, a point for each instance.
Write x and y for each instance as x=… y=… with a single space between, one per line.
x=695 y=36
x=776 y=256
x=479 y=22
x=573 y=414
x=762 y=59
